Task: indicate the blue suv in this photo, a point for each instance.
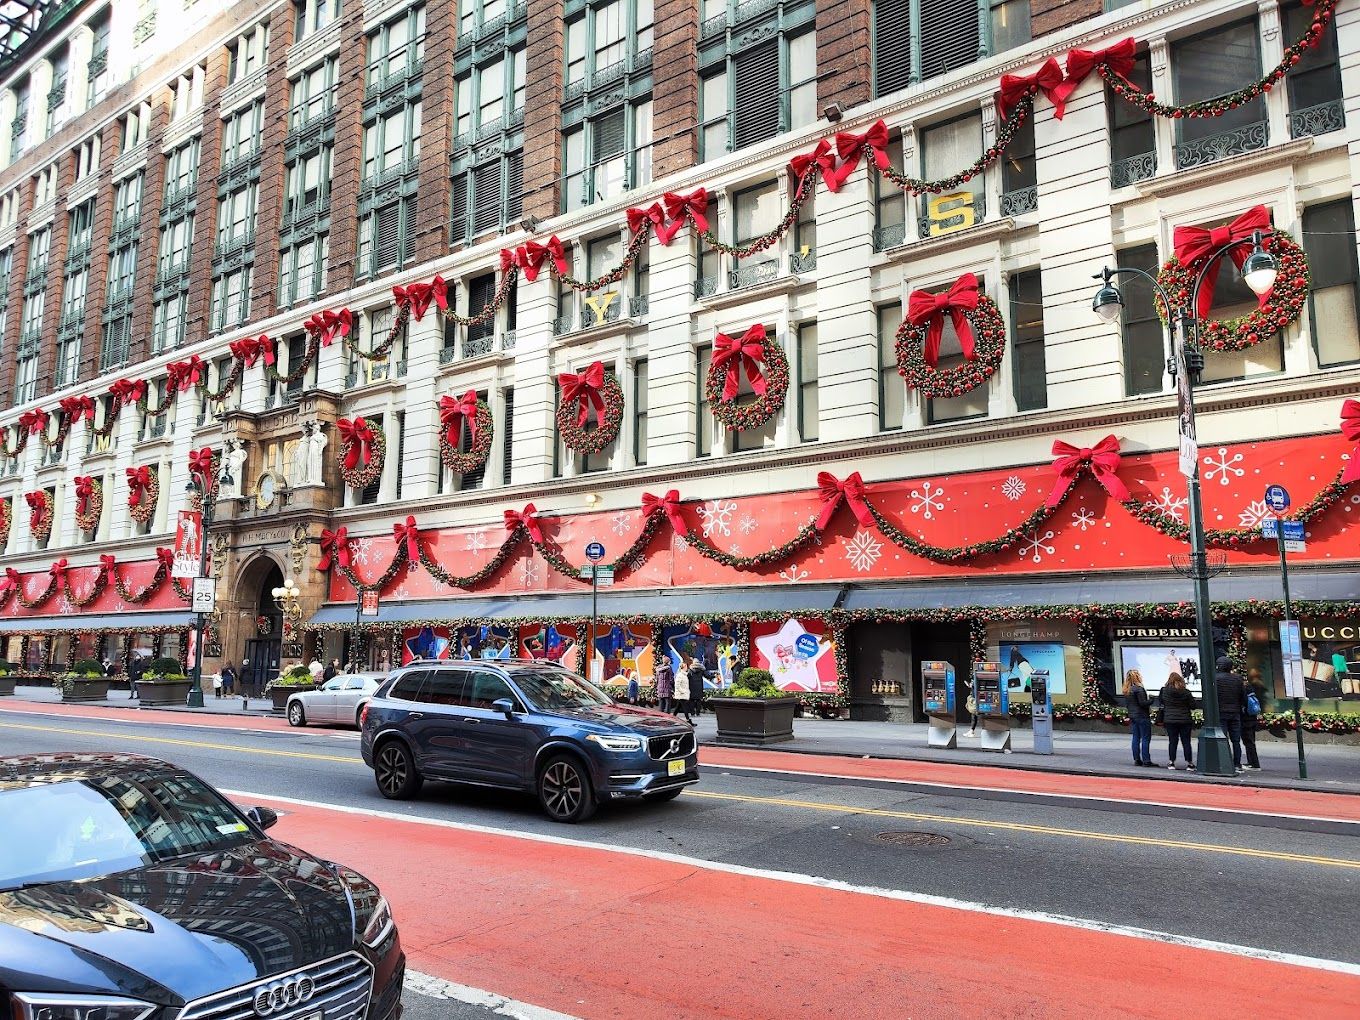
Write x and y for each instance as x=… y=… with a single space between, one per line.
x=522 y=724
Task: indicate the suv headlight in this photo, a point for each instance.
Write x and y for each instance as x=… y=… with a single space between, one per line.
x=612 y=743
x=379 y=923
x=60 y=1006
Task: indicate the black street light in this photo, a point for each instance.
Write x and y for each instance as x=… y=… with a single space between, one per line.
x=195 y=487
x=1186 y=364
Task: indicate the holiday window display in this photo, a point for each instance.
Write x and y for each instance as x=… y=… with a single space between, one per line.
x=426 y=643
x=623 y=652
x=714 y=644
x=799 y=653
x=551 y=642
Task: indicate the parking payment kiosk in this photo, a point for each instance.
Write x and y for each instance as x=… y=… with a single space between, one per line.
x=1042 y=712
x=937 y=685
x=993 y=706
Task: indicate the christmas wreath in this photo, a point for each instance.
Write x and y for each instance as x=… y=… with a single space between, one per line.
x=1283 y=306
x=90 y=494
x=732 y=356
x=980 y=329
x=39 y=515
x=6 y=519
x=580 y=393
x=144 y=490
x=363 y=449
x=456 y=415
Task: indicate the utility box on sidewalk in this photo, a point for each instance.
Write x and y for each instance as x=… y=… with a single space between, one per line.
x=1041 y=715
x=937 y=685
x=993 y=706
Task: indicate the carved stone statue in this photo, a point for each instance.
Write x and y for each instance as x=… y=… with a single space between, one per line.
x=297 y=468
x=236 y=464
x=316 y=448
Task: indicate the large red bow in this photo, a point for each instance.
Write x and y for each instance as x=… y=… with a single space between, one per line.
x=656 y=216
x=358 y=437
x=419 y=296
x=1350 y=428
x=108 y=563
x=528 y=520
x=1080 y=63
x=584 y=391
x=58 y=571
x=1015 y=87
x=13 y=581
x=84 y=490
x=165 y=558
x=731 y=354
x=330 y=326
x=849 y=147
x=249 y=349
x=669 y=505
x=1195 y=244
x=454 y=412
x=128 y=391
x=183 y=375
x=139 y=481
x=694 y=205
x=834 y=491
x=78 y=407
x=821 y=157
x=408 y=535
x=927 y=309
x=35 y=421
x=334 y=544
x=201 y=466
x=1103 y=461
x=509 y=260
x=532 y=255
x=37 y=505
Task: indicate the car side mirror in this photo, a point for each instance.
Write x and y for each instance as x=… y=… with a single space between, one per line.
x=504 y=706
x=263 y=817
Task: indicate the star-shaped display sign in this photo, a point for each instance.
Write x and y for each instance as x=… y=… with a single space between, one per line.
x=427 y=645
x=792 y=654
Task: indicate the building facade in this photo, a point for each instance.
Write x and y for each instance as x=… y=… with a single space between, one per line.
x=189 y=189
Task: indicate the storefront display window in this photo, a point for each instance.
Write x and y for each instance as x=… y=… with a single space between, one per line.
x=60 y=655
x=36 y=659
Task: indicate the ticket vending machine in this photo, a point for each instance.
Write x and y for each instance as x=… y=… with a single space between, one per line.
x=1042 y=712
x=937 y=686
x=993 y=707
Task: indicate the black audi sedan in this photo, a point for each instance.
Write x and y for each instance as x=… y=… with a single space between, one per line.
x=132 y=890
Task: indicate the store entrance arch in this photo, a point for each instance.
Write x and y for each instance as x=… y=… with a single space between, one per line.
x=264 y=629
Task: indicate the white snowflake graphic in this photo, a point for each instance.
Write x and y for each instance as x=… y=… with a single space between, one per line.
x=622 y=523
x=717 y=517
x=1083 y=519
x=1170 y=504
x=747 y=524
x=1035 y=546
x=400 y=592
x=1251 y=515
x=679 y=541
x=64 y=605
x=1013 y=488
x=793 y=575
x=1223 y=467
x=529 y=569
x=475 y=541
x=862 y=551
x=359 y=548
x=927 y=500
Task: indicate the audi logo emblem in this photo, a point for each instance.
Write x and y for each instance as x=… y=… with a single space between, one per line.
x=283 y=994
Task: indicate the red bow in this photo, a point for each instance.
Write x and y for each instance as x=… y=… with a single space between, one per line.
x=1015 y=87
x=532 y=255
x=201 y=466
x=849 y=147
x=419 y=296
x=165 y=558
x=334 y=544
x=454 y=412
x=14 y=581
x=108 y=563
x=669 y=505
x=181 y=375
x=35 y=421
x=509 y=260
x=584 y=391
x=249 y=349
x=139 y=481
x=129 y=391
x=1194 y=244
x=58 y=571
x=84 y=490
x=821 y=157
x=730 y=354
x=409 y=535
x=1080 y=63
x=358 y=437
x=656 y=216
x=528 y=520
x=694 y=205
x=1350 y=428
x=76 y=407
x=330 y=326
x=927 y=309
x=1102 y=459
x=37 y=506
x=833 y=491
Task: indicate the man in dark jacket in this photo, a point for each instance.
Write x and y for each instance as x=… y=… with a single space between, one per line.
x=1231 y=705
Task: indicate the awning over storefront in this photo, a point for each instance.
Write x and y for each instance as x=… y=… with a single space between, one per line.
x=105 y=621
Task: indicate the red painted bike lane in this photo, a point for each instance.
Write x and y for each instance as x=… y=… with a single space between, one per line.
x=603 y=934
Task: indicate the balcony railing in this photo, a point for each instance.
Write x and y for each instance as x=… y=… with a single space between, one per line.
x=890 y=236
x=1132 y=169
x=749 y=274
x=561 y=324
x=803 y=262
x=1020 y=201
x=638 y=306
x=958 y=217
x=705 y=286
x=1317 y=120
x=1203 y=151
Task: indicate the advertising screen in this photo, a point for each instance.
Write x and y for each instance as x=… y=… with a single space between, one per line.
x=1156 y=662
x=1022 y=659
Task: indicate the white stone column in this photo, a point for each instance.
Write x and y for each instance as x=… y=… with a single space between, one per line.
x=77 y=79
x=1272 y=52
x=421 y=464
x=1163 y=128
x=672 y=413
x=531 y=458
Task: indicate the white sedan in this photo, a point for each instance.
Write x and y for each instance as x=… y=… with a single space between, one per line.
x=339 y=700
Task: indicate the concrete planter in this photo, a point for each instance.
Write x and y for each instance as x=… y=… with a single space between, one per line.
x=279 y=695
x=6 y=686
x=163 y=692
x=754 y=720
x=85 y=690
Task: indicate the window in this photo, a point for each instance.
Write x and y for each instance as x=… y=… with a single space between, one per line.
x=68 y=358
x=755 y=210
x=640 y=411
x=703 y=445
x=1233 y=298
x=1315 y=105
x=1010 y=24
x=602 y=255
x=175 y=243
x=586 y=463
x=1028 y=370
x=127 y=201
x=87 y=158
x=117 y=334
x=970 y=405
x=45 y=186
x=759 y=91
x=385 y=237
x=1210 y=65
x=807 y=382
x=313 y=94
x=1018 y=177
x=98 y=73
x=181 y=172
x=6 y=264
x=135 y=126
x=79 y=227
x=605 y=37
x=241 y=132
x=187 y=90
x=19 y=126
x=236 y=217
x=248 y=53
x=56 y=96
x=508 y=433
x=26 y=373
x=1144 y=348
x=918 y=39
x=313 y=15
x=469 y=480
x=39 y=246
x=122 y=272
x=487 y=689
x=1334 y=306
x=231 y=299
x=944 y=148
x=890 y=203
x=487 y=197
x=307 y=182
x=392 y=142
x=892 y=392
x=396 y=48
x=167 y=322
x=949 y=41
x=1133 y=139
x=710 y=260
x=302 y=269
x=608 y=154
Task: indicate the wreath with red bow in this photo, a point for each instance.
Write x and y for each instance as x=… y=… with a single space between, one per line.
x=357 y=473
x=731 y=357
x=457 y=415
x=40 y=516
x=1283 y=307
x=983 y=333
x=6 y=519
x=145 y=506
x=592 y=392
x=91 y=490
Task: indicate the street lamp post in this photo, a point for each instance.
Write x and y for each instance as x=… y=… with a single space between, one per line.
x=195 y=487
x=286 y=598
x=1186 y=364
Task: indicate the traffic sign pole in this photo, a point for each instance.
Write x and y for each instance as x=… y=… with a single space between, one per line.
x=1277 y=499
x=594 y=553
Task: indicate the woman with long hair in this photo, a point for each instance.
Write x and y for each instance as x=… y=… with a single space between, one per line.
x=1140 y=718
x=1177 y=701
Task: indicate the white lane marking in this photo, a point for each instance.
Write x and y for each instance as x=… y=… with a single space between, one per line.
x=1129 y=799
x=438 y=988
x=795 y=878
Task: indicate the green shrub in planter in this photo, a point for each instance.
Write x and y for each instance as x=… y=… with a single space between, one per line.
x=753 y=683
x=164 y=667
x=88 y=667
x=6 y=667
x=295 y=676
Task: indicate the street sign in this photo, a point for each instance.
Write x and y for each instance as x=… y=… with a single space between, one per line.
x=595 y=552
x=1277 y=498
x=204 y=595
x=368 y=603
x=604 y=576
x=1291 y=652
x=1293 y=533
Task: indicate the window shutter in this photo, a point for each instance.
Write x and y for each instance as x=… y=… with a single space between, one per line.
x=949 y=37
x=892 y=46
x=514 y=186
x=756 y=94
x=508 y=431
x=386 y=236
x=608 y=136
x=458 y=226
x=486 y=197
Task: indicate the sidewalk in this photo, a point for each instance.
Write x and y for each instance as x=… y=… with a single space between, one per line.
x=122 y=699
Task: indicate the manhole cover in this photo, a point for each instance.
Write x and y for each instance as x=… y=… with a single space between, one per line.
x=912 y=839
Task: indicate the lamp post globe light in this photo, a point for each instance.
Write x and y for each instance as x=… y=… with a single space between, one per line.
x=194 y=487
x=1186 y=364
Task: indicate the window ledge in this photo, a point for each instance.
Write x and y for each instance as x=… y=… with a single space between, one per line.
x=248 y=88
x=601 y=331
x=490 y=358
x=130 y=162
x=302 y=52
x=83 y=190
x=990 y=230
x=1272 y=156
x=729 y=298
x=179 y=131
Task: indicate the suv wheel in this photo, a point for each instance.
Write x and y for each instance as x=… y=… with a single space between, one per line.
x=297 y=716
x=395 y=772
x=564 y=790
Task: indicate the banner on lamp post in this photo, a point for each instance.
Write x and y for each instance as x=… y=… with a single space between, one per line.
x=188 y=545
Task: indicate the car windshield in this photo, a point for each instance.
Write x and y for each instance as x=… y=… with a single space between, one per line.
x=549 y=688
x=93 y=826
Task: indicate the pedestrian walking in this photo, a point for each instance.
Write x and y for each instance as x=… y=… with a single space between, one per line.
x=634 y=688
x=1140 y=718
x=247 y=679
x=682 y=690
x=135 y=669
x=1253 y=705
x=217 y=685
x=317 y=670
x=665 y=683
x=228 y=680
x=1232 y=696
x=696 y=687
x=1177 y=701
x=329 y=671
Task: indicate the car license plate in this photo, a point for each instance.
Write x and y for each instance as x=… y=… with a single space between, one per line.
x=676 y=768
